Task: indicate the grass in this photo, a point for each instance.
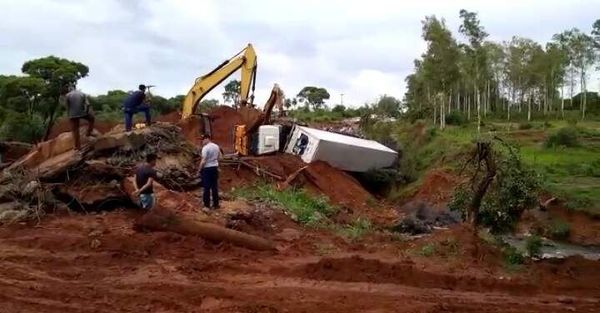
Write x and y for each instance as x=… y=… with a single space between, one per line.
x=571 y=173
x=302 y=207
x=428 y=250
x=357 y=229
x=558 y=230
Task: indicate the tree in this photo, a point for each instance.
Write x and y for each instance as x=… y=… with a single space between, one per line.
x=339 y=109
x=57 y=74
x=476 y=35
x=440 y=64
x=21 y=93
x=583 y=58
x=388 y=106
x=232 y=92
x=313 y=96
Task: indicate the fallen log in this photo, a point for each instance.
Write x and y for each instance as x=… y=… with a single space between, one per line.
x=162 y=220
x=178 y=213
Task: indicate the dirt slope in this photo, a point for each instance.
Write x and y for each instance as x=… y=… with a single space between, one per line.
x=98 y=263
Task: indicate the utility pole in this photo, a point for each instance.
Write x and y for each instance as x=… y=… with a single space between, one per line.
x=341 y=99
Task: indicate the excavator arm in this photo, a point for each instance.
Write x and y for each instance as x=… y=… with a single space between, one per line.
x=244 y=60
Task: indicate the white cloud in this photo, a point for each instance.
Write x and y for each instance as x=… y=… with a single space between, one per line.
x=362 y=49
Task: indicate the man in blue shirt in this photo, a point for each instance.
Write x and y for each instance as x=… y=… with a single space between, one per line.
x=134 y=103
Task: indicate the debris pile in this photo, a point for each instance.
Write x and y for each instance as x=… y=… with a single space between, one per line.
x=53 y=176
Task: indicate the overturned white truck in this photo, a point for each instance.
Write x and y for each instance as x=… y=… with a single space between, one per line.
x=344 y=152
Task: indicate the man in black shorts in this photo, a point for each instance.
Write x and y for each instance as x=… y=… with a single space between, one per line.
x=145 y=175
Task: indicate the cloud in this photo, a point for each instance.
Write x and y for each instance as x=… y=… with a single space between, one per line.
x=361 y=49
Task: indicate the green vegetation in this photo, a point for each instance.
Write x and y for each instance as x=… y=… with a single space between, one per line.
x=303 y=208
x=428 y=250
x=513 y=190
x=533 y=245
x=564 y=137
x=558 y=230
x=358 y=228
x=512 y=256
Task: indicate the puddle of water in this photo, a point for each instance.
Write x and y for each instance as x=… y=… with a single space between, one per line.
x=552 y=249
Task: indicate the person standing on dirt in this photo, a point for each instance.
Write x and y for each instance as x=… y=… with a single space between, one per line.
x=145 y=175
x=135 y=103
x=78 y=108
x=209 y=172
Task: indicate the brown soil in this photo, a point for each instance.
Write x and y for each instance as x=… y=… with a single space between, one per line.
x=437 y=188
x=98 y=263
x=583 y=228
x=62 y=125
x=339 y=186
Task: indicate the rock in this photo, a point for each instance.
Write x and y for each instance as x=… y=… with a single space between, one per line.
x=565 y=300
x=95 y=243
x=289 y=234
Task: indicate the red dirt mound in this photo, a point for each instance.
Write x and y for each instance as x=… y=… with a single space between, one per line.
x=437 y=187
x=62 y=125
x=339 y=186
x=224 y=120
x=173 y=117
x=359 y=269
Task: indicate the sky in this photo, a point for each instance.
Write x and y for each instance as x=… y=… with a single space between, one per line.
x=361 y=49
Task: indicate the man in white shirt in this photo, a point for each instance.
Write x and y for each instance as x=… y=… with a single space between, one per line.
x=209 y=172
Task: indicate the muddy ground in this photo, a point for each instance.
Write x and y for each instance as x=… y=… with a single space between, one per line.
x=99 y=263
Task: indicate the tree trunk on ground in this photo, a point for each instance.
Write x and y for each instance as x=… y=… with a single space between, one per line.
x=158 y=220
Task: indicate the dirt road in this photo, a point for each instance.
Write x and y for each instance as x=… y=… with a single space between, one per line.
x=98 y=263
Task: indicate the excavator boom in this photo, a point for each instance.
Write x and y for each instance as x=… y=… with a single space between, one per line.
x=244 y=60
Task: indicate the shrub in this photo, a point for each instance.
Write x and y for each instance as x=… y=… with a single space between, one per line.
x=512 y=256
x=559 y=230
x=21 y=127
x=513 y=190
x=524 y=126
x=427 y=250
x=358 y=228
x=533 y=244
x=566 y=137
x=455 y=118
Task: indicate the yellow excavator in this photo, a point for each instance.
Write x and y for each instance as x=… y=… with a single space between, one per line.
x=245 y=61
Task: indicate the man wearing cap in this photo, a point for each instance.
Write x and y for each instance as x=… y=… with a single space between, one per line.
x=209 y=172
x=78 y=107
x=134 y=103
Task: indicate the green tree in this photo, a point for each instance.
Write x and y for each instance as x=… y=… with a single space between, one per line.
x=440 y=65
x=388 y=106
x=313 y=96
x=475 y=33
x=21 y=93
x=232 y=92
x=57 y=74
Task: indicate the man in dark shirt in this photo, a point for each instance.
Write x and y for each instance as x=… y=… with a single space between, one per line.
x=78 y=107
x=134 y=103
x=145 y=175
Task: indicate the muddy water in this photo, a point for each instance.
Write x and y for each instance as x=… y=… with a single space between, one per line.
x=552 y=249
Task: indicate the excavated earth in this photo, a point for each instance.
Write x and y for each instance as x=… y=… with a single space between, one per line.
x=98 y=258
x=99 y=263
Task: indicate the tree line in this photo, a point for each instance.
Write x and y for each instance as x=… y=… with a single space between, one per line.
x=478 y=77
